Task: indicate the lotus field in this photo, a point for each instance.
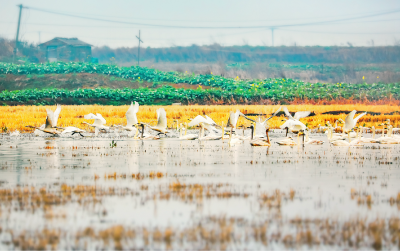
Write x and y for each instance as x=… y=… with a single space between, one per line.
x=17 y=117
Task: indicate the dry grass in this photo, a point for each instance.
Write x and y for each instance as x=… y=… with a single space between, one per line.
x=17 y=117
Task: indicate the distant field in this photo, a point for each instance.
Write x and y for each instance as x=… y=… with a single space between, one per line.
x=17 y=117
x=84 y=83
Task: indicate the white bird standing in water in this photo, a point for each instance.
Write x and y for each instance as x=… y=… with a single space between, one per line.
x=309 y=141
x=186 y=136
x=98 y=124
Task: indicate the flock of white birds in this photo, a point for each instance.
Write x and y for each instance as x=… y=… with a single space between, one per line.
x=350 y=135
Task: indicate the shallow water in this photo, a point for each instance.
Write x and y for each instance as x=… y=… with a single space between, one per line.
x=259 y=192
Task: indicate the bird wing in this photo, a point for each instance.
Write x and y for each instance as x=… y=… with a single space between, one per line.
x=299 y=115
x=162 y=118
x=68 y=129
x=131 y=118
x=49 y=118
x=232 y=120
x=273 y=115
x=349 y=119
x=90 y=116
x=56 y=114
x=359 y=116
x=287 y=113
x=290 y=123
x=101 y=120
x=239 y=114
x=210 y=121
x=197 y=120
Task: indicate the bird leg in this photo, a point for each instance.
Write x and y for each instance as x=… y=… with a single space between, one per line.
x=287 y=131
x=267 y=136
x=142 y=130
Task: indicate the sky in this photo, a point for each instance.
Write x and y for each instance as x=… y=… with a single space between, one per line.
x=184 y=22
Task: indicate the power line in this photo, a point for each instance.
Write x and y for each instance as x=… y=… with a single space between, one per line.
x=348 y=33
x=215 y=27
x=214 y=21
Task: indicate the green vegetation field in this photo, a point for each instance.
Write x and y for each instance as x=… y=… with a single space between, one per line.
x=209 y=88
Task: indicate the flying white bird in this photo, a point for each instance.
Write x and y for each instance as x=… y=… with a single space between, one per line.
x=98 y=124
x=208 y=123
x=51 y=122
x=73 y=130
x=54 y=119
x=131 y=119
x=161 y=126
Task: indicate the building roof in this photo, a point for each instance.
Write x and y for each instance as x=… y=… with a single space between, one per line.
x=68 y=41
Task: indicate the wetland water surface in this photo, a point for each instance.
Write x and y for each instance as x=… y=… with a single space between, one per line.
x=71 y=193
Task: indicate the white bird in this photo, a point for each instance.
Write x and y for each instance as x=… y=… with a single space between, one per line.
x=210 y=136
x=340 y=143
x=350 y=121
x=51 y=122
x=131 y=119
x=161 y=126
x=332 y=137
x=73 y=130
x=261 y=126
x=309 y=141
x=233 y=141
x=259 y=141
x=55 y=116
x=186 y=136
x=98 y=124
x=293 y=123
x=286 y=142
x=208 y=123
x=389 y=139
x=234 y=117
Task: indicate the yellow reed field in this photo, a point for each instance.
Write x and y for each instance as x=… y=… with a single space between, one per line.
x=17 y=117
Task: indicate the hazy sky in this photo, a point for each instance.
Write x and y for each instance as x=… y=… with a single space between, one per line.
x=138 y=15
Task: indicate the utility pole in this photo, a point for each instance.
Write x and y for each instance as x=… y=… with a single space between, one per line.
x=272 y=34
x=39 y=37
x=16 y=39
x=140 y=41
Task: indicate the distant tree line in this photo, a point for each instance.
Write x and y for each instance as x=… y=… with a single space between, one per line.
x=218 y=53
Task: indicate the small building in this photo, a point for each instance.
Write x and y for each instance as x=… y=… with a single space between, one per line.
x=67 y=50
